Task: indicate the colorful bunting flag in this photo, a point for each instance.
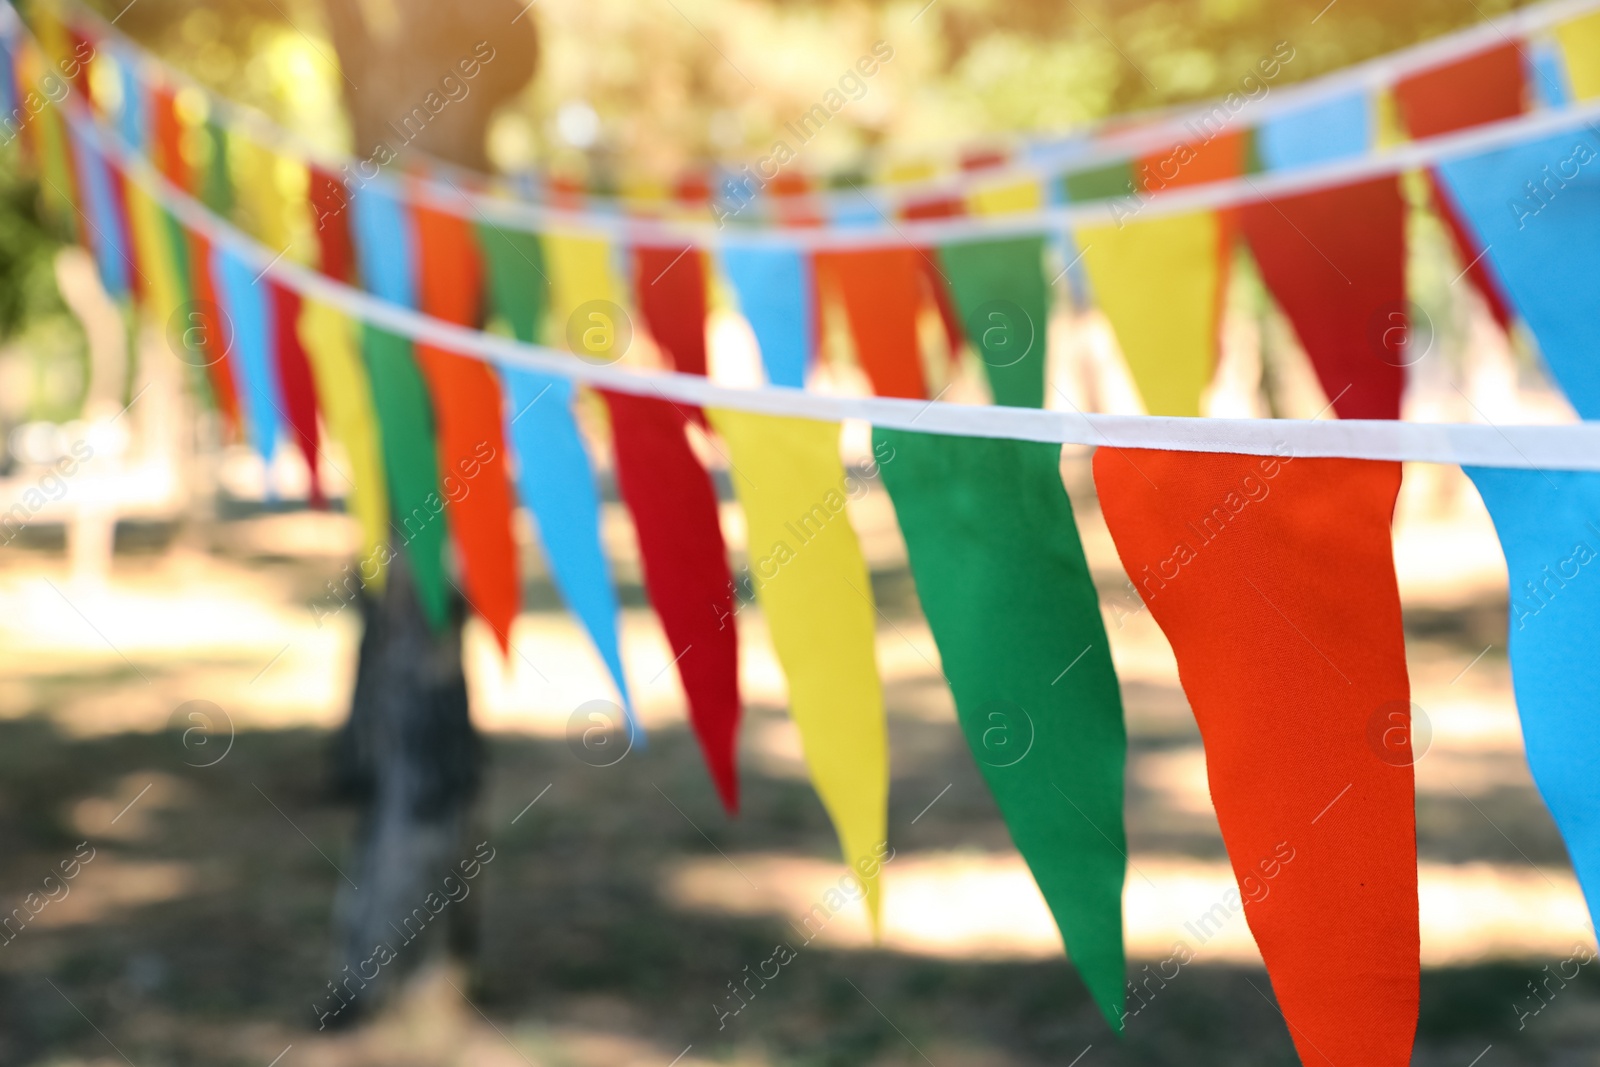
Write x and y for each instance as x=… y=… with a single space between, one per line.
x=1004 y=302
x=1486 y=87
x=295 y=381
x=1008 y=594
x=1342 y=286
x=879 y=290
x=1274 y=581
x=775 y=293
x=1579 y=41
x=812 y=583
x=251 y=324
x=103 y=233
x=670 y=284
x=207 y=329
x=1169 y=341
x=1549 y=527
x=1333 y=129
x=330 y=220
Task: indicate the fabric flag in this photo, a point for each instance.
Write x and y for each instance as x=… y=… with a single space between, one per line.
x=775 y=293
x=879 y=289
x=217 y=182
x=933 y=280
x=344 y=395
x=252 y=325
x=209 y=330
x=1273 y=579
x=1004 y=302
x=685 y=564
x=815 y=592
x=133 y=119
x=122 y=214
x=1549 y=527
x=670 y=283
x=1488 y=87
x=1342 y=286
x=386 y=256
x=330 y=215
x=152 y=254
x=168 y=128
x=469 y=414
x=554 y=472
x=1333 y=129
x=104 y=231
x=294 y=380
x=1210 y=157
x=1159 y=283
x=1013 y=608
x=1536 y=208
x=674 y=509
x=1579 y=41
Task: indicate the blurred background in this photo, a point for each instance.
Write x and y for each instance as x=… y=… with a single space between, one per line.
x=172 y=679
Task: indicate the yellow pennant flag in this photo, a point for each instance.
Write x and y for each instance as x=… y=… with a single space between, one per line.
x=1012 y=198
x=811 y=581
x=153 y=254
x=1157 y=281
x=1580 y=47
x=580 y=272
x=345 y=397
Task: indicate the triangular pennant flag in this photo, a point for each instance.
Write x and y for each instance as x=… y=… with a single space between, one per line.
x=1336 y=128
x=1579 y=41
x=775 y=293
x=1158 y=281
x=1549 y=527
x=162 y=290
x=216 y=189
x=1273 y=580
x=554 y=473
x=1486 y=87
x=330 y=215
x=685 y=564
x=1536 y=208
x=1004 y=302
x=294 y=380
x=104 y=231
x=208 y=331
x=879 y=288
x=1012 y=605
x=816 y=595
x=933 y=279
x=344 y=395
x=252 y=324
x=1342 y=286
x=133 y=117
x=468 y=413
x=168 y=128
x=670 y=283
x=1478 y=268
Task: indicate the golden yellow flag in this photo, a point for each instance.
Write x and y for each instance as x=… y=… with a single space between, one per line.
x=811 y=581
x=1157 y=281
x=1013 y=198
x=153 y=254
x=345 y=397
x=1580 y=47
x=580 y=271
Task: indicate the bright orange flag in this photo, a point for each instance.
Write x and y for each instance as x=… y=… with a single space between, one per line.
x=882 y=290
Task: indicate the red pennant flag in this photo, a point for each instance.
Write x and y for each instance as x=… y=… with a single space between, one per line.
x=295 y=382
x=933 y=282
x=685 y=564
x=168 y=130
x=1206 y=158
x=1488 y=87
x=1273 y=579
x=470 y=426
x=119 y=204
x=879 y=288
x=671 y=287
x=330 y=207
x=213 y=334
x=1335 y=261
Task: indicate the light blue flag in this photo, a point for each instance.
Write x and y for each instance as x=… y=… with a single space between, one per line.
x=1547 y=73
x=385 y=245
x=557 y=483
x=1549 y=527
x=8 y=85
x=105 y=235
x=774 y=287
x=251 y=329
x=1536 y=209
x=133 y=121
x=1339 y=128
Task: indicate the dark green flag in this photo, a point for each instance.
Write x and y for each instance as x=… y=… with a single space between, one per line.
x=1007 y=593
x=405 y=425
x=217 y=184
x=1004 y=303
x=518 y=286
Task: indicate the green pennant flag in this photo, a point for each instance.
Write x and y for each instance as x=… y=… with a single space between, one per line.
x=1004 y=302
x=405 y=426
x=1007 y=593
x=216 y=182
x=517 y=283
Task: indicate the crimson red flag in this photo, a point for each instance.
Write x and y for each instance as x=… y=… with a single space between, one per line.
x=1335 y=260
x=330 y=206
x=467 y=412
x=671 y=287
x=295 y=382
x=1273 y=579
x=685 y=563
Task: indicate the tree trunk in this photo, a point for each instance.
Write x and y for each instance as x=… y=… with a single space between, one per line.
x=408 y=755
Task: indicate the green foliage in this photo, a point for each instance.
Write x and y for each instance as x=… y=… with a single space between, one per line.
x=27 y=246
